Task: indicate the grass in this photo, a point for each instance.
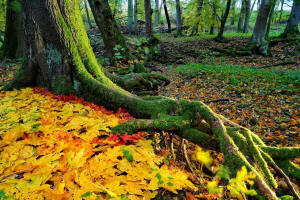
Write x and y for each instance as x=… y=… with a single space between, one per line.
x=269 y=80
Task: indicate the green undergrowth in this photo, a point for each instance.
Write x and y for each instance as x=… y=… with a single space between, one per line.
x=167 y=38
x=245 y=78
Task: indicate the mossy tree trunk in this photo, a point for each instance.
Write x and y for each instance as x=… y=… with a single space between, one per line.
x=233 y=12
x=148 y=17
x=13 y=45
x=156 y=12
x=223 y=21
x=258 y=42
x=293 y=21
x=130 y=15
x=178 y=18
x=135 y=14
x=60 y=58
x=108 y=27
x=247 y=16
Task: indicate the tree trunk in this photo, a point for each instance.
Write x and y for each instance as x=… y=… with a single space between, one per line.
x=60 y=58
x=198 y=11
x=247 y=15
x=13 y=46
x=292 y=24
x=223 y=21
x=270 y=19
x=212 y=30
x=135 y=14
x=281 y=10
x=233 y=12
x=130 y=15
x=252 y=7
x=108 y=27
x=156 y=12
x=167 y=16
x=178 y=18
x=242 y=17
x=258 y=41
x=148 y=17
x=159 y=12
x=87 y=14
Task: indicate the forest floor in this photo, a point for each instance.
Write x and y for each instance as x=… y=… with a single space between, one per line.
x=247 y=89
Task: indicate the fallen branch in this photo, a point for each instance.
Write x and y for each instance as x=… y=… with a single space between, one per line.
x=232 y=52
x=278 y=64
x=217 y=100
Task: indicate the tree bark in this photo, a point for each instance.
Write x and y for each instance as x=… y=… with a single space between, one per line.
x=293 y=21
x=167 y=16
x=108 y=27
x=156 y=12
x=198 y=11
x=247 y=15
x=13 y=46
x=252 y=7
x=60 y=58
x=242 y=17
x=270 y=19
x=135 y=14
x=130 y=15
x=148 y=17
x=259 y=44
x=233 y=12
x=223 y=21
x=178 y=18
x=87 y=14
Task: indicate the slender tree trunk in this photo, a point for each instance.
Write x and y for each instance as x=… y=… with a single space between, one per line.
x=13 y=36
x=233 y=12
x=258 y=41
x=293 y=21
x=2 y=16
x=258 y=4
x=178 y=18
x=108 y=27
x=212 y=30
x=198 y=11
x=223 y=21
x=281 y=10
x=247 y=15
x=270 y=19
x=167 y=16
x=156 y=12
x=130 y=15
x=60 y=58
x=159 y=12
x=252 y=7
x=242 y=17
x=135 y=14
x=87 y=14
x=148 y=16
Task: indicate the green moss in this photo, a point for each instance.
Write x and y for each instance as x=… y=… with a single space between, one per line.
x=62 y=85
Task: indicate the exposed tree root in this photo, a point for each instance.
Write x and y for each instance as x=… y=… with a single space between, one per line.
x=232 y=52
x=278 y=64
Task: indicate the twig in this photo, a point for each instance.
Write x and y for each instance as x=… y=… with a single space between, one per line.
x=287 y=179
x=217 y=100
x=172 y=147
x=278 y=64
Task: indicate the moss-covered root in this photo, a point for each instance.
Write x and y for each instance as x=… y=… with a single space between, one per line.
x=168 y=123
x=282 y=153
x=290 y=169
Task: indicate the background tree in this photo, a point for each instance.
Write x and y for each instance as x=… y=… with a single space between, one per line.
x=60 y=58
x=258 y=41
x=108 y=27
x=223 y=21
x=130 y=15
x=247 y=15
x=270 y=19
x=13 y=45
x=135 y=14
x=241 y=16
x=167 y=16
x=87 y=14
x=156 y=12
x=148 y=16
x=293 y=21
x=198 y=14
x=178 y=18
x=233 y=12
